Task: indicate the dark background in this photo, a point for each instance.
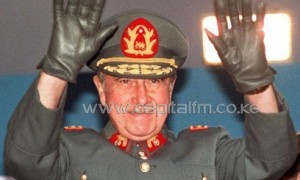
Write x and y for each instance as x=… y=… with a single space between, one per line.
x=26 y=27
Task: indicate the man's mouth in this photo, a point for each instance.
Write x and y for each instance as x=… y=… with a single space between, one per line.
x=142 y=110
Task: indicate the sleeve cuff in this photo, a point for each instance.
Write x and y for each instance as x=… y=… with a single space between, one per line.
x=33 y=127
x=271 y=136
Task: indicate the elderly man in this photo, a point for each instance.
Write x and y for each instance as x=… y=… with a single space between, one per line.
x=136 y=55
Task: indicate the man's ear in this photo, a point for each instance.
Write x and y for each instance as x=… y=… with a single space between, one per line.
x=100 y=88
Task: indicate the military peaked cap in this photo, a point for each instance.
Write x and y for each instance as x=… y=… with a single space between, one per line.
x=145 y=45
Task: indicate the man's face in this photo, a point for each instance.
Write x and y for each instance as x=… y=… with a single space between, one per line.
x=139 y=107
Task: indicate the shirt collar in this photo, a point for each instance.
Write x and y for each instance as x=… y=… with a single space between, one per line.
x=147 y=148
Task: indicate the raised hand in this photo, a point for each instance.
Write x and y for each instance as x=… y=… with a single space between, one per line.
x=76 y=37
x=241 y=48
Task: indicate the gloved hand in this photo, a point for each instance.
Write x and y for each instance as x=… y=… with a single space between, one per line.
x=241 y=48
x=76 y=37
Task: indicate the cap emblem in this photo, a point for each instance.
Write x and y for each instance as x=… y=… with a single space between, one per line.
x=139 y=39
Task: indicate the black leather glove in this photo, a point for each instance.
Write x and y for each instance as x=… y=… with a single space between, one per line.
x=241 y=48
x=76 y=37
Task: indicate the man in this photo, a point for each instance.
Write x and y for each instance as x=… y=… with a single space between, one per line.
x=136 y=55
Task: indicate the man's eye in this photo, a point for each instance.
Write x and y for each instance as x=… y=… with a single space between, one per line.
x=155 y=81
x=124 y=81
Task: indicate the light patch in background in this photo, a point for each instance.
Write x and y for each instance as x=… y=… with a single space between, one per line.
x=6 y=178
x=277 y=38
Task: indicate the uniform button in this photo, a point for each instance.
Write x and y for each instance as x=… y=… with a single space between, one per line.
x=142 y=155
x=145 y=167
x=83 y=177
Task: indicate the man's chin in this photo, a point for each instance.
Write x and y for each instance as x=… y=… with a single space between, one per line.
x=141 y=136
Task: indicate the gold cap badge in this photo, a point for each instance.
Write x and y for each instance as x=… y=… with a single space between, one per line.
x=140 y=39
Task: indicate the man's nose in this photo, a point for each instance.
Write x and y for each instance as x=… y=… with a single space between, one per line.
x=141 y=96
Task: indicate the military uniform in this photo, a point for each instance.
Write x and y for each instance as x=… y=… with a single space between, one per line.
x=36 y=147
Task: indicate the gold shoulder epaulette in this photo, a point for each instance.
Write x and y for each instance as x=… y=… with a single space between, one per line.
x=73 y=128
x=198 y=128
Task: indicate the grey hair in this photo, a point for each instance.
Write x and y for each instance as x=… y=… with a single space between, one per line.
x=173 y=78
x=101 y=77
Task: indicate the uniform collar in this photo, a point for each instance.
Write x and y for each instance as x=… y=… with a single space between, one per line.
x=145 y=148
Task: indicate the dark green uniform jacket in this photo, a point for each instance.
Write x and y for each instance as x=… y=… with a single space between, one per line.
x=36 y=148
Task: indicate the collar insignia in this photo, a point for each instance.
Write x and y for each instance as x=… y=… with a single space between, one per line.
x=150 y=145
x=119 y=141
x=155 y=142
